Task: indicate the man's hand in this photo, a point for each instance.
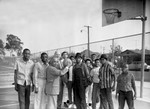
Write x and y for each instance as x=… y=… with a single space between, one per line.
x=16 y=87
x=116 y=96
x=113 y=88
x=36 y=90
x=33 y=88
x=134 y=96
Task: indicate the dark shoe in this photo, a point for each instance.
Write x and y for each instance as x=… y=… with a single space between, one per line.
x=66 y=104
x=58 y=107
x=90 y=104
x=97 y=99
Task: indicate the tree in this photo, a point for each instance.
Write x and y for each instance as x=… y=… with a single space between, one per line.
x=13 y=44
x=2 y=47
x=116 y=49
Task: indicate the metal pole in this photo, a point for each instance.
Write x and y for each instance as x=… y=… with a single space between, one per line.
x=70 y=49
x=88 y=44
x=113 y=56
x=143 y=49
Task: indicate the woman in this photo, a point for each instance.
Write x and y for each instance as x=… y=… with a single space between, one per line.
x=52 y=82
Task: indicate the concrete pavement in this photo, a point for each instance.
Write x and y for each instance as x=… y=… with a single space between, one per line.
x=9 y=100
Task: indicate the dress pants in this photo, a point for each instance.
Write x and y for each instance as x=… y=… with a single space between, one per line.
x=95 y=95
x=52 y=102
x=106 y=98
x=40 y=99
x=61 y=92
x=70 y=91
x=88 y=94
x=24 y=96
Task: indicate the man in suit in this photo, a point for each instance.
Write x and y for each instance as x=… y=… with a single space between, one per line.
x=53 y=74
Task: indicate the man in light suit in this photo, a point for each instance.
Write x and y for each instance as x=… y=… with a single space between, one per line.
x=53 y=74
x=39 y=73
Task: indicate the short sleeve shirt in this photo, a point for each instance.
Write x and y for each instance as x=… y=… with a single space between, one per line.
x=24 y=71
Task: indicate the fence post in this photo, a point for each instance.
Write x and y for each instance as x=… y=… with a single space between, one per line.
x=113 y=56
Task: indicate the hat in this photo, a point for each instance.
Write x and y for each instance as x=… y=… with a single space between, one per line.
x=88 y=59
x=78 y=55
x=104 y=56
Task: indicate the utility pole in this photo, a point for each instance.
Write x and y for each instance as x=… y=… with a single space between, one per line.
x=143 y=19
x=88 y=44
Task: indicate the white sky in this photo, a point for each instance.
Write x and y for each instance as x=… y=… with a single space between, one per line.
x=49 y=24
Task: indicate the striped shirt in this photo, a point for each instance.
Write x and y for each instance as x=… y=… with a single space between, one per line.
x=106 y=73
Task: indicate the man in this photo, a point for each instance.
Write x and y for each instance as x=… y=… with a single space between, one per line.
x=88 y=91
x=57 y=54
x=95 y=79
x=80 y=75
x=93 y=57
x=70 y=80
x=125 y=85
x=107 y=78
x=39 y=82
x=64 y=79
x=52 y=87
x=23 y=79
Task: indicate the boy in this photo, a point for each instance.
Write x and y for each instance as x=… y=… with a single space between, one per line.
x=125 y=85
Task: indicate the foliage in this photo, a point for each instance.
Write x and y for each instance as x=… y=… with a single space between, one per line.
x=117 y=50
x=72 y=54
x=1 y=44
x=14 y=44
x=117 y=55
x=2 y=47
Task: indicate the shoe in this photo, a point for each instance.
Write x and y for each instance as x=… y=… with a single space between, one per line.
x=72 y=106
x=58 y=107
x=66 y=104
x=90 y=104
x=67 y=101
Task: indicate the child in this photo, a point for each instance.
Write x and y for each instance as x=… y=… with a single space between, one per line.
x=125 y=85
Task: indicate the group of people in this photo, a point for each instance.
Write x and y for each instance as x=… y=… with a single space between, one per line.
x=88 y=80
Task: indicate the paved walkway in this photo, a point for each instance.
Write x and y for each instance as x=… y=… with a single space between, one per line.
x=9 y=100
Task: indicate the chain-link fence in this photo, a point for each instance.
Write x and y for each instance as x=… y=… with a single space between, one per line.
x=114 y=47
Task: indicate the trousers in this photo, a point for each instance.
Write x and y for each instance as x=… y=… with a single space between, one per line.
x=126 y=96
x=106 y=98
x=40 y=99
x=52 y=102
x=24 y=96
x=88 y=94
